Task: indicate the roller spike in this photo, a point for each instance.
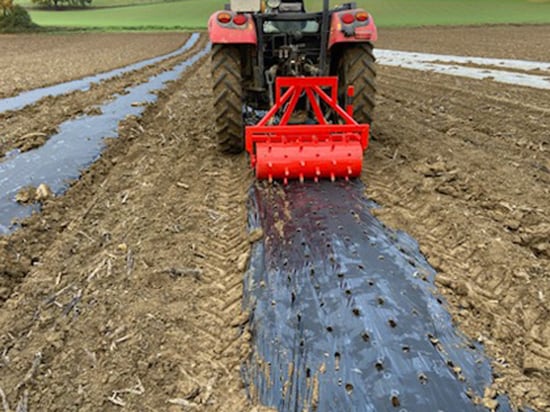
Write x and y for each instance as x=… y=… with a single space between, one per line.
x=308 y=161
x=270 y=179
x=316 y=179
x=285 y=181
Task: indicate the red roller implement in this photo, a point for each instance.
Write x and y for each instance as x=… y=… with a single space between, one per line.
x=321 y=150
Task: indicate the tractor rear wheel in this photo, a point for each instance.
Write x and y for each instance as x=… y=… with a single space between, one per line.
x=356 y=68
x=228 y=97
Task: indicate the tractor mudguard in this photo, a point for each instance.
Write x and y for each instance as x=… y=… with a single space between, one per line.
x=352 y=26
x=223 y=28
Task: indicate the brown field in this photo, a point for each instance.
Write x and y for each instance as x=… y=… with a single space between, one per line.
x=30 y=127
x=124 y=294
x=510 y=41
x=29 y=61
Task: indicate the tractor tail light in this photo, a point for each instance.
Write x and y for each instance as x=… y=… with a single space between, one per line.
x=362 y=16
x=240 y=19
x=347 y=18
x=224 y=18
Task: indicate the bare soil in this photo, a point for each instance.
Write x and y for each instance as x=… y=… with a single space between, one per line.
x=128 y=288
x=31 y=127
x=29 y=61
x=124 y=294
x=528 y=42
x=464 y=167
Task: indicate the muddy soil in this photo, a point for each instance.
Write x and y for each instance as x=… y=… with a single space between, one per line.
x=528 y=42
x=128 y=288
x=464 y=167
x=29 y=61
x=31 y=127
x=125 y=293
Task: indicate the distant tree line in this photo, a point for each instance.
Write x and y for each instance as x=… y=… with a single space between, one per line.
x=62 y=3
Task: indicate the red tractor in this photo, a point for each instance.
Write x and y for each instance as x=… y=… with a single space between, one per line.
x=311 y=76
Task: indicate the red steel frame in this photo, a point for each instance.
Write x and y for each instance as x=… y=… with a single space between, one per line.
x=307 y=150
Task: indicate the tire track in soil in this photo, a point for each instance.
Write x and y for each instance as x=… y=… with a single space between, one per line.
x=31 y=127
x=509 y=96
x=463 y=167
x=129 y=285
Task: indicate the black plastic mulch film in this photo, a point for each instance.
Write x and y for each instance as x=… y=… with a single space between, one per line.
x=344 y=311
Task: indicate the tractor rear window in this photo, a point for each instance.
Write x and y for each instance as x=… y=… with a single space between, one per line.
x=291 y=26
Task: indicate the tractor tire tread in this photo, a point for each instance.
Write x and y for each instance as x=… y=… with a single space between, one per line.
x=228 y=98
x=359 y=70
